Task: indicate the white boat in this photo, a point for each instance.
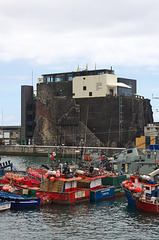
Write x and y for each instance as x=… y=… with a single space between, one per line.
x=4 y=206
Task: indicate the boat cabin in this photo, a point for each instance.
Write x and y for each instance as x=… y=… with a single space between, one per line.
x=145 y=183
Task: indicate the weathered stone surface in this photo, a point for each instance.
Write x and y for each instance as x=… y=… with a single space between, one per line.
x=95 y=121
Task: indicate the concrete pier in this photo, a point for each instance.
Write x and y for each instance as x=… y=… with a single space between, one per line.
x=44 y=150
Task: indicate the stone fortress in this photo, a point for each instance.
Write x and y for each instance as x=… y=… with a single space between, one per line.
x=89 y=108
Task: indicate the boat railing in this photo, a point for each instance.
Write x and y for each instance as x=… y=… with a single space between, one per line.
x=16 y=169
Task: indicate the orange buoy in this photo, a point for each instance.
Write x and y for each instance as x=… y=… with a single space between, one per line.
x=52 y=179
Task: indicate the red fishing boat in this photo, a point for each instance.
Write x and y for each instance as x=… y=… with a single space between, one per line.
x=51 y=186
x=142 y=191
x=146 y=203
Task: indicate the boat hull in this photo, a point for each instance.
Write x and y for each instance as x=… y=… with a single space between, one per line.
x=73 y=197
x=148 y=207
x=19 y=201
x=102 y=194
x=31 y=203
x=129 y=196
x=115 y=181
x=4 y=206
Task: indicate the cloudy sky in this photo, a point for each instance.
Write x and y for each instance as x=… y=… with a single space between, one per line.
x=48 y=36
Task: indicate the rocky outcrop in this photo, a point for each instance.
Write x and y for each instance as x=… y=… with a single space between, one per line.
x=107 y=121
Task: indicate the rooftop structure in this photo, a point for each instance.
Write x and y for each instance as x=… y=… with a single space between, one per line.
x=68 y=76
x=93 y=83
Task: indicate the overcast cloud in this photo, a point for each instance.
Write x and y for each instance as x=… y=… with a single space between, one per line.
x=122 y=32
x=49 y=35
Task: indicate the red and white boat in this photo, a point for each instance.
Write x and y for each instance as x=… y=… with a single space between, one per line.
x=62 y=190
x=51 y=186
x=146 y=204
x=143 y=191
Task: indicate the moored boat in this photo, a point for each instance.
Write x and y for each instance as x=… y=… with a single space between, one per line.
x=115 y=180
x=63 y=190
x=55 y=187
x=148 y=204
x=102 y=184
x=132 y=160
x=60 y=185
x=17 y=199
x=92 y=180
x=141 y=184
x=4 y=206
x=97 y=191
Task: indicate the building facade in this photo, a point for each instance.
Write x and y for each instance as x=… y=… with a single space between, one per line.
x=27 y=114
x=127 y=91
x=11 y=135
x=93 y=83
x=151 y=136
x=94 y=86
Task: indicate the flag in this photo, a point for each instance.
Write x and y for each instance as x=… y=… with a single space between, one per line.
x=51 y=156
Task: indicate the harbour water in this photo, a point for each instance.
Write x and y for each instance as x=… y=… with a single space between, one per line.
x=112 y=219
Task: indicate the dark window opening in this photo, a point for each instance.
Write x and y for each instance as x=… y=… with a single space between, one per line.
x=129 y=151
x=84 y=88
x=111 y=92
x=90 y=93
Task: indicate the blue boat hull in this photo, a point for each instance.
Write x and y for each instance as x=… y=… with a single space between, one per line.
x=20 y=201
x=129 y=196
x=31 y=203
x=101 y=194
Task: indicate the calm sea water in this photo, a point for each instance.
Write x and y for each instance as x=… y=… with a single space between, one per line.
x=112 y=219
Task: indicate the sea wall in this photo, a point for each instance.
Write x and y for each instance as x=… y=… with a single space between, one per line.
x=63 y=151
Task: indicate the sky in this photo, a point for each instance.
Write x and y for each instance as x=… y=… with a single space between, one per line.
x=49 y=36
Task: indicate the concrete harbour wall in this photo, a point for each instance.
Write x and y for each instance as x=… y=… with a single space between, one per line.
x=65 y=151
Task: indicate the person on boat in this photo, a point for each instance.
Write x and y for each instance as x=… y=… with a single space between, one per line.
x=54 y=165
x=66 y=169
x=143 y=192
